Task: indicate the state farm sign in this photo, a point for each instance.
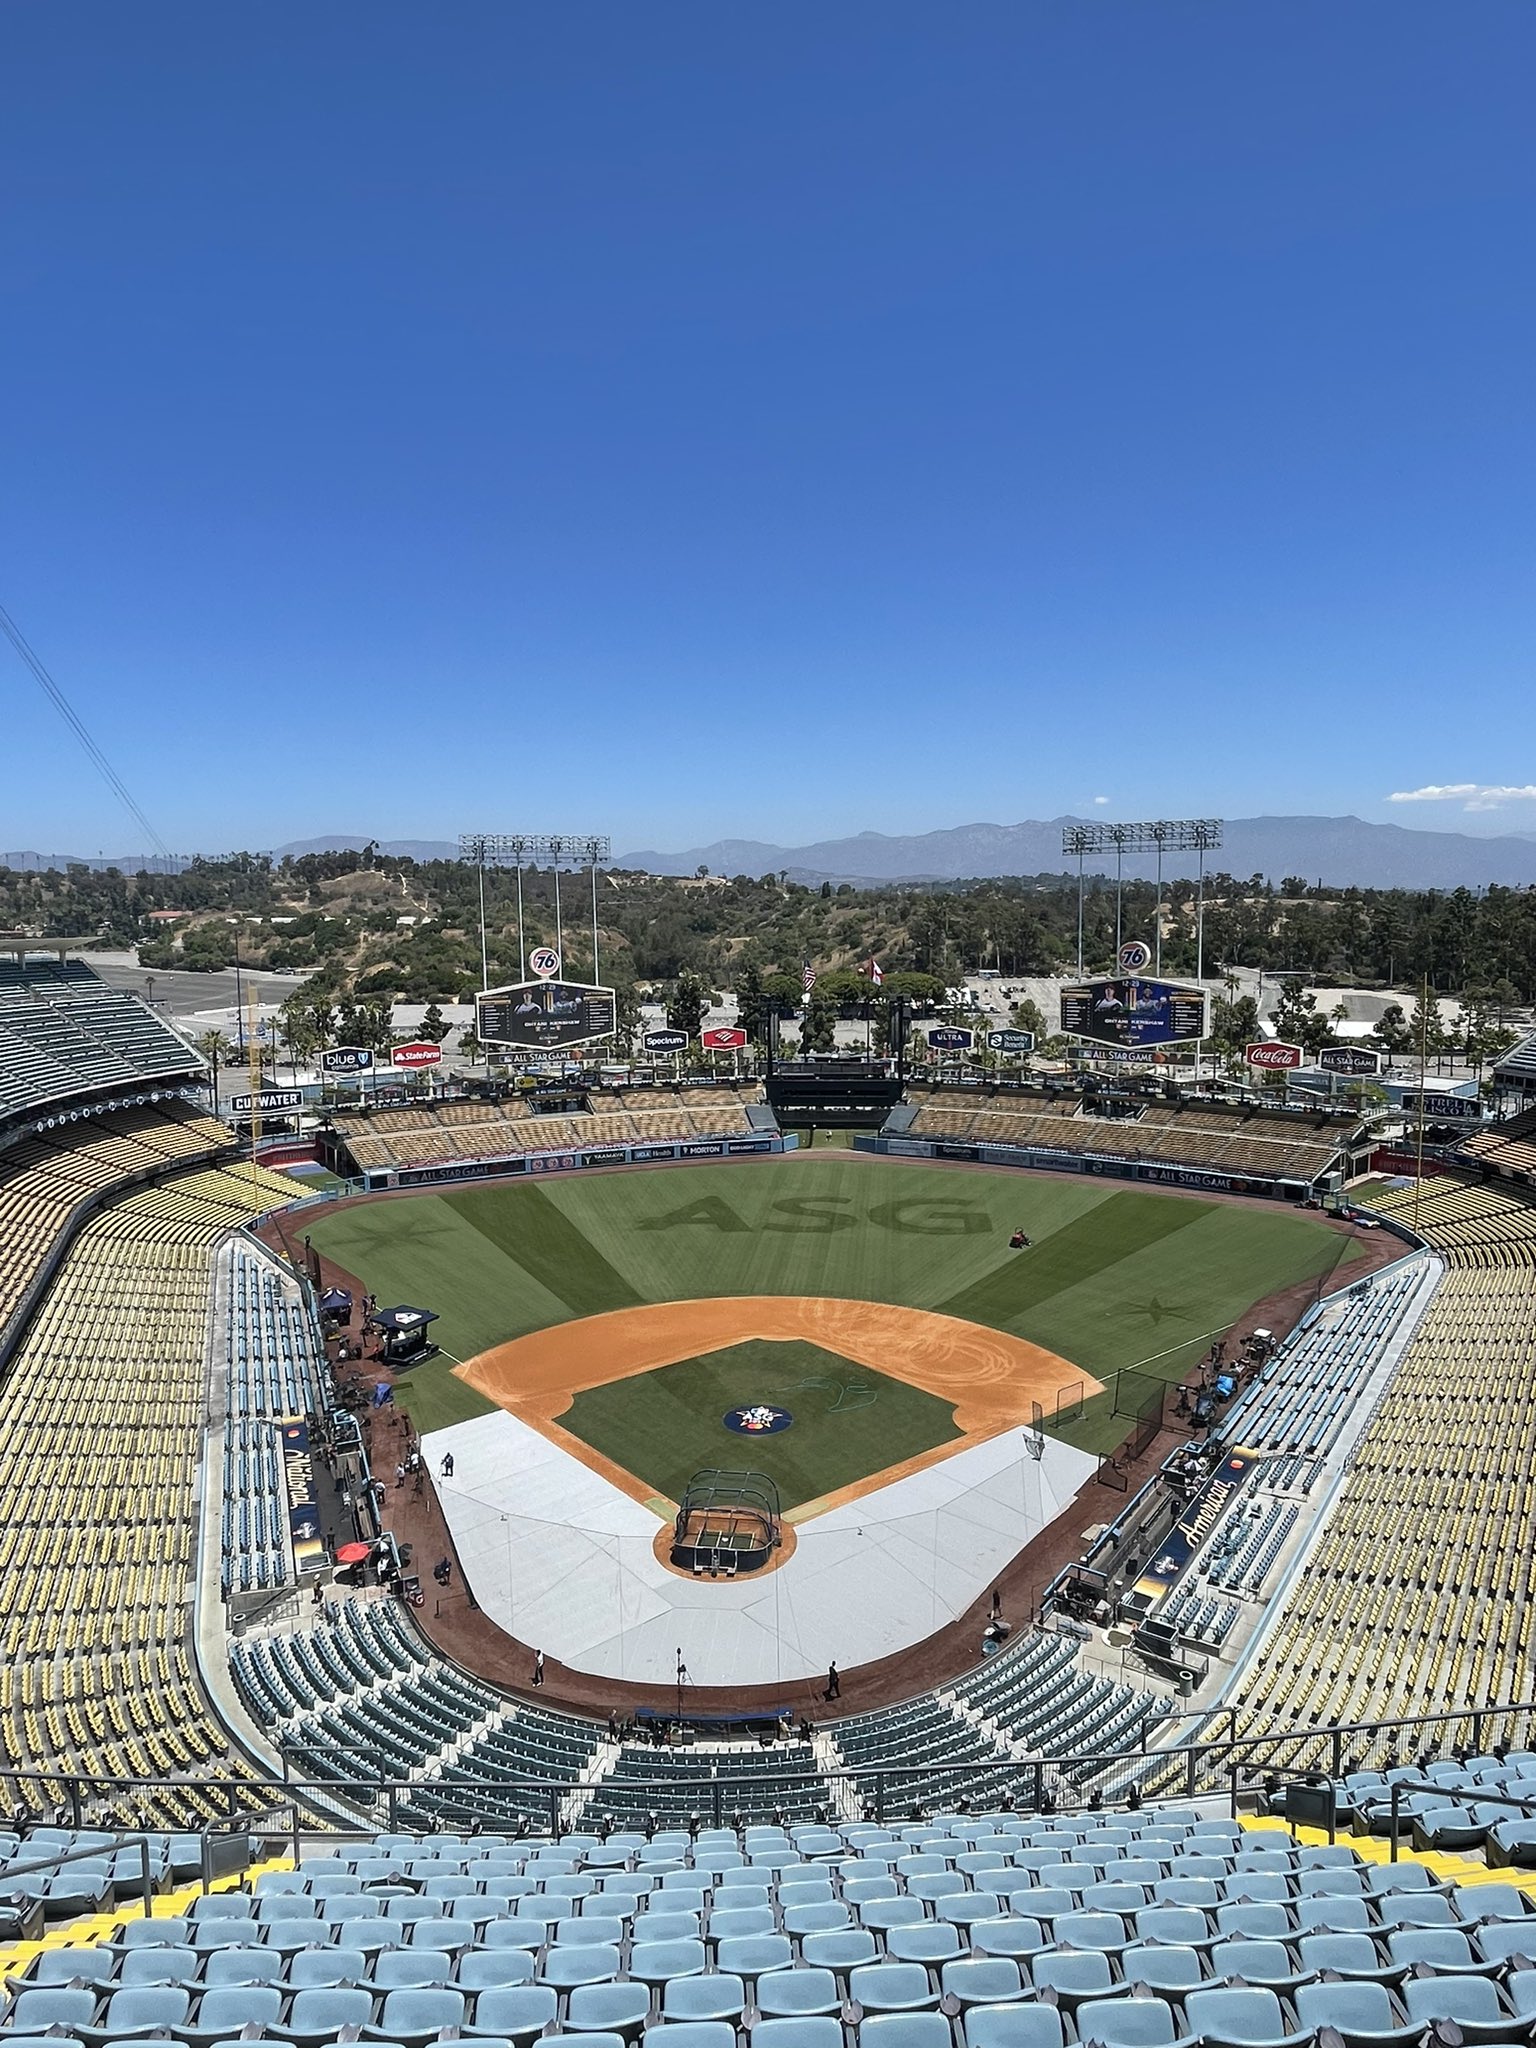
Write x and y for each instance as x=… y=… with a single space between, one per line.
x=1272 y=1053
x=421 y=1053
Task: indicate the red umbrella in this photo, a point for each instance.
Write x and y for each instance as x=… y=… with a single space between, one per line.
x=354 y=1553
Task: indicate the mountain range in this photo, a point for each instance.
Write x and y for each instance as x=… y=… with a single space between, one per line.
x=1339 y=852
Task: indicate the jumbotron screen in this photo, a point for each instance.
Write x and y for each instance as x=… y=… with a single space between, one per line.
x=545 y=1016
x=1134 y=1013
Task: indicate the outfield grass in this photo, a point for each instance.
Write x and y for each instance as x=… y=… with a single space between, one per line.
x=1117 y=1276
x=849 y=1421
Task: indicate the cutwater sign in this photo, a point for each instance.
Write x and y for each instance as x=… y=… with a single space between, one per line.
x=762 y=1420
x=268 y=1102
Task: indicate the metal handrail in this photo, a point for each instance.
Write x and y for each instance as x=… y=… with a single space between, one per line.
x=60 y=1858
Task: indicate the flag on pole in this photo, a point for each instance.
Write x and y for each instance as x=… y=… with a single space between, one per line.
x=808 y=977
x=875 y=972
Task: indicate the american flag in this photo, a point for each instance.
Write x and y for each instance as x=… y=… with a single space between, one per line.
x=875 y=972
x=808 y=977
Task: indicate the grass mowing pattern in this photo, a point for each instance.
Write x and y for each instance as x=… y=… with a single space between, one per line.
x=667 y=1425
x=1115 y=1277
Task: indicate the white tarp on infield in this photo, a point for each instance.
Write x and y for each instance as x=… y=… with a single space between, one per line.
x=561 y=1559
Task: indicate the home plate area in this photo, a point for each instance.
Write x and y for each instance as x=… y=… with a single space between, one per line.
x=565 y=1560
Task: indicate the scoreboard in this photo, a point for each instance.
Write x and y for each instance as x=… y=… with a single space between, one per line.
x=545 y=1016
x=1134 y=1013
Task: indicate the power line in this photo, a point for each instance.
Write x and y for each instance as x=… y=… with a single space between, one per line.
x=67 y=712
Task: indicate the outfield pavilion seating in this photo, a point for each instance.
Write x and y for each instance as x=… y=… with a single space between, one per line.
x=100 y=1433
x=1267 y=1143
x=442 y=1133
x=1415 y=1596
x=43 y=1178
x=1507 y=1148
x=64 y=1032
x=1140 y=1929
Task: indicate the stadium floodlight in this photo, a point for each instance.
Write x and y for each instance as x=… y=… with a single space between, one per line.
x=1158 y=836
x=519 y=850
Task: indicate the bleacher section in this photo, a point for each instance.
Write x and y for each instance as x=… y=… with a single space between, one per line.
x=275 y=1368
x=44 y=1178
x=472 y=1131
x=1509 y=1148
x=1141 y=1929
x=64 y=1032
x=1414 y=1598
x=1296 y=1406
x=1265 y=1144
x=100 y=1429
x=362 y=1697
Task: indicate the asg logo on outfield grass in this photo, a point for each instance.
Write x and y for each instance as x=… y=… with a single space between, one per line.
x=763 y=1420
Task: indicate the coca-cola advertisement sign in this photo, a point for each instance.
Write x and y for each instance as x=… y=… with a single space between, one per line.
x=1273 y=1053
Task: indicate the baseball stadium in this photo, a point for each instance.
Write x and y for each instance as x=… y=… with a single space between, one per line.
x=576 y=1557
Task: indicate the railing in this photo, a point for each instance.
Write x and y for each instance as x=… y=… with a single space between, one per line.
x=1232 y=1768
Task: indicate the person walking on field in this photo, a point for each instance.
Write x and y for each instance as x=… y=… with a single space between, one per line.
x=538 y=1667
x=834 y=1684
x=445 y=1470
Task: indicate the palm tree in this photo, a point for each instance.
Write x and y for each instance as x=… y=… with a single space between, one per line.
x=211 y=1045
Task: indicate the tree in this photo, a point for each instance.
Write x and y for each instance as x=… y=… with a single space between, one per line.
x=1393 y=1029
x=1298 y=1019
x=432 y=1025
x=1028 y=1016
x=213 y=1045
x=1234 y=1023
x=818 y=1027
x=687 y=1004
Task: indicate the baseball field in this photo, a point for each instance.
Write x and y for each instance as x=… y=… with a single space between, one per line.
x=1115 y=1277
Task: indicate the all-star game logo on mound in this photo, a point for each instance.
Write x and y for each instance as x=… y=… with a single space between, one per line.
x=762 y=1420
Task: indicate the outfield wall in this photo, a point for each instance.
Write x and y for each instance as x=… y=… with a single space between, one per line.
x=572 y=1161
x=1099 y=1165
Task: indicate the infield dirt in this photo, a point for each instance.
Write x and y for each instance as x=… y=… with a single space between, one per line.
x=993 y=1380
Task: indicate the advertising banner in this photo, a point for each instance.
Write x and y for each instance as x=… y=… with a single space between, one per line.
x=421 y=1052
x=270 y=1102
x=723 y=1038
x=665 y=1041
x=1011 y=1041
x=1349 y=1059
x=951 y=1038
x=347 y=1059
x=1273 y=1054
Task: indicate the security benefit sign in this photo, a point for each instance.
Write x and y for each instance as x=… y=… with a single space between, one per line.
x=544 y=1016
x=1134 y=1013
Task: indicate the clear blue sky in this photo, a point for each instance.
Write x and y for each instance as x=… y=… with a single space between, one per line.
x=683 y=420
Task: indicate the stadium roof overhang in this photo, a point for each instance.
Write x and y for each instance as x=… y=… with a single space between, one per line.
x=17 y=945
